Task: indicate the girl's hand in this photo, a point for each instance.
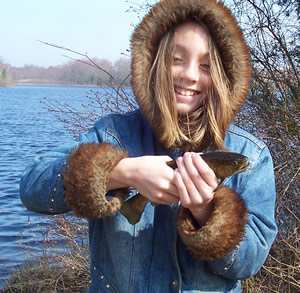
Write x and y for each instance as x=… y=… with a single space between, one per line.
x=195 y=182
x=149 y=175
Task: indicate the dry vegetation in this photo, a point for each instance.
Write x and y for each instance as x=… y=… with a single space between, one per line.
x=271 y=113
x=73 y=72
x=64 y=266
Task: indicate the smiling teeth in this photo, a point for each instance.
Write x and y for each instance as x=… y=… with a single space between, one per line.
x=185 y=93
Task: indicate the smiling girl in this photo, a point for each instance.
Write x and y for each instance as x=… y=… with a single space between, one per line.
x=190 y=75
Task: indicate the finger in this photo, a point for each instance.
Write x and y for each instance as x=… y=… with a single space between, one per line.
x=164 y=198
x=199 y=190
x=192 y=170
x=173 y=189
x=206 y=173
x=191 y=190
x=184 y=196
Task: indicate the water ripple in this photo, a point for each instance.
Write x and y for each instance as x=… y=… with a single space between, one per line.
x=26 y=130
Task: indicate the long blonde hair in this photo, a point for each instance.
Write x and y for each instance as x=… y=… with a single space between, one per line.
x=206 y=126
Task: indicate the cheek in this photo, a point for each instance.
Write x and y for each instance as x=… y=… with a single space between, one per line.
x=174 y=72
x=206 y=81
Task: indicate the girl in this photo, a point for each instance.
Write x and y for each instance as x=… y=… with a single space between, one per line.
x=190 y=75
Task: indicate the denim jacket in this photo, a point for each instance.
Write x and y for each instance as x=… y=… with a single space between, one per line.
x=150 y=256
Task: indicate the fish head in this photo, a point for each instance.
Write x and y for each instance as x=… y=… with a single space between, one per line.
x=226 y=164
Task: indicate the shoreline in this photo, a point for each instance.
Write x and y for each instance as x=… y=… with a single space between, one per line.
x=45 y=83
x=52 y=83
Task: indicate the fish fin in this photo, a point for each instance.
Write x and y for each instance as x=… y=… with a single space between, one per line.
x=172 y=164
x=220 y=184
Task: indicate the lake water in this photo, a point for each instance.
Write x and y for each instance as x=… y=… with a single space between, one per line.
x=27 y=129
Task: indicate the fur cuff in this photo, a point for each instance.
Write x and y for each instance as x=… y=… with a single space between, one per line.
x=86 y=177
x=222 y=232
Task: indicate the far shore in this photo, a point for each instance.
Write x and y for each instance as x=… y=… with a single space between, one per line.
x=37 y=82
x=43 y=82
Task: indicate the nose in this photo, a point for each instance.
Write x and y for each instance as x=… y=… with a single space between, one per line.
x=191 y=72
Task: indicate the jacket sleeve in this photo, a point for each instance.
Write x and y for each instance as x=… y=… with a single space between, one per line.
x=238 y=236
x=223 y=231
x=73 y=177
x=41 y=185
x=85 y=179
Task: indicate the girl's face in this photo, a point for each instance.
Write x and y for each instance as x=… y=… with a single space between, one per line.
x=190 y=67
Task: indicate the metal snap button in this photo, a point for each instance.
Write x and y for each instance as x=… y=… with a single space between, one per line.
x=174 y=283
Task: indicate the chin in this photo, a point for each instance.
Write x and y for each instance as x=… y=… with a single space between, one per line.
x=185 y=109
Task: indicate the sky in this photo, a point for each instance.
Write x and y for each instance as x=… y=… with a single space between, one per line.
x=98 y=28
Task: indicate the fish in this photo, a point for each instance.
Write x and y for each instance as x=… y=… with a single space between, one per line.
x=224 y=164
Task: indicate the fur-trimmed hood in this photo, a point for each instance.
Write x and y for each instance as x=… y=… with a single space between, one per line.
x=223 y=29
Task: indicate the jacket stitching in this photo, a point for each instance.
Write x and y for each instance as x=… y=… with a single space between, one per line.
x=102 y=277
x=52 y=198
x=116 y=136
x=233 y=129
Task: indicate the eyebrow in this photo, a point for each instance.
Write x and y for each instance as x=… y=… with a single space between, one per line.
x=180 y=47
x=183 y=50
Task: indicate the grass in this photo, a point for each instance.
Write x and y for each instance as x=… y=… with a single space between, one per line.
x=60 y=269
x=68 y=270
x=42 y=277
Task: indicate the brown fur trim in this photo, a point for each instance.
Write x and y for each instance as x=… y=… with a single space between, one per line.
x=223 y=231
x=224 y=31
x=86 y=177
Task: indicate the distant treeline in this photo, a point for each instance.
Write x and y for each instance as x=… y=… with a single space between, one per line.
x=96 y=71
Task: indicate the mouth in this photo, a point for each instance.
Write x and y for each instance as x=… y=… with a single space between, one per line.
x=185 y=92
x=245 y=166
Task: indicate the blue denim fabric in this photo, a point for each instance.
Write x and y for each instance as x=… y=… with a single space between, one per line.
x=149 y=256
